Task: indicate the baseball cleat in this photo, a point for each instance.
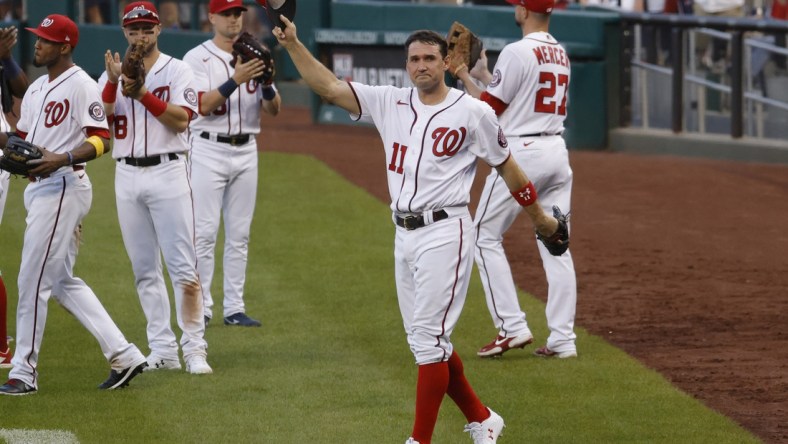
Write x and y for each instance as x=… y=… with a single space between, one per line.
x=411 y=441
x=159 y=363
x=545 y=352
x=487 y=431
x=197 y=365
x=501 y=345
x=120 y=379
x=15 y=387
x=241 y=320
x=5 y=358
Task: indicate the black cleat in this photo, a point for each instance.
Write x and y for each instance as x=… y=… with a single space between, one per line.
x=15 y=387
x=241 y=320
x=121 y=379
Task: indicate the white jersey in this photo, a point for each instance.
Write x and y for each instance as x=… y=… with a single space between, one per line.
x=534 y=107
x=240 y=114
x=431 y=150
x=55 y=113
x=169 y=79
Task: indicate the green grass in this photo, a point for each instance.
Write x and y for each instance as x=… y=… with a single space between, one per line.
x=331 y=363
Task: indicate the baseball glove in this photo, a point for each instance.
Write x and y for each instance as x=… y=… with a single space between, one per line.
x=249 y=48
x=465 y=48
x=558 y=243
x=133 y=67
x=16 y=154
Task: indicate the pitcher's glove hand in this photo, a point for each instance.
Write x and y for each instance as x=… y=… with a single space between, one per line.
x=558 y=243
x=464 y=48
x=16 y=153
x=249 y=48
x=133 y=67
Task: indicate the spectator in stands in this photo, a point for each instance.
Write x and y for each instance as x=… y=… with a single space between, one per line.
x=779 y=11
x=8 y=10
x=97 y=11
x=713 y=55
x=169 y=15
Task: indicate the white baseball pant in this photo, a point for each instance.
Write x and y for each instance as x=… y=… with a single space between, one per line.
x=55 y=207
x=224 y=179
x=156 y=218
x=546 y=162
x=432 y=267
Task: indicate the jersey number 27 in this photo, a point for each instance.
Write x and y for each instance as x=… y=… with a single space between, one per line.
x=546 y=95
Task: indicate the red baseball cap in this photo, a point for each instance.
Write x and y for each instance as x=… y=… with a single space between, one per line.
x=217 y=6
x=140 y=12
x=537 y=6
x=57 y=28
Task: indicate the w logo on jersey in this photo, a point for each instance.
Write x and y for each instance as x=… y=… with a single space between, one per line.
x=448 y=141
x=162 y=92
x=502 y=139
x=56 y=113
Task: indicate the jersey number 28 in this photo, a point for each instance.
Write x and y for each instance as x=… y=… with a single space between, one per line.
x=546 y=95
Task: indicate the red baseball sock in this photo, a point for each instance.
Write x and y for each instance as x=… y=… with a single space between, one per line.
x=462 y=393
x=3 y=317
x=430 y=388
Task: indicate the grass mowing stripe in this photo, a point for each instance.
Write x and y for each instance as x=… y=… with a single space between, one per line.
x=331 y=362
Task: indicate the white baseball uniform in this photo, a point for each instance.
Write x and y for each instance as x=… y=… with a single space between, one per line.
x=431 y=153
x=4 y=175
x=224 y=174
x=155 y=209
x=55 y=115
x=531 y=76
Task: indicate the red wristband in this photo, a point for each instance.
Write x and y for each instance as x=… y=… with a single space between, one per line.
x=526 y=195
x=110 y=92
x=155 y=105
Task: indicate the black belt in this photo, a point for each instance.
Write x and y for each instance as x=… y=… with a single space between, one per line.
x=541 y=134
x=413 y=222
x=146 y=161
x=238 y=139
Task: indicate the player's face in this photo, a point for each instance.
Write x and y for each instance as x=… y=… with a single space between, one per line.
x=426 y=67
x=47 y=52
x=147 y=32
x=519 y=15
x=228 y=23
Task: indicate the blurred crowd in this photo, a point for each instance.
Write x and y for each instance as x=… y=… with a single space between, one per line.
x=179 y=15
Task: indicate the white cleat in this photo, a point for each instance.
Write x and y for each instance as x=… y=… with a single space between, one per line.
x=411 y=441
x=487 y=431
x=159 y=363
x=197 y=365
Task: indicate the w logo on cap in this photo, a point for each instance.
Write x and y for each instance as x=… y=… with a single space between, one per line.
x=47 y=22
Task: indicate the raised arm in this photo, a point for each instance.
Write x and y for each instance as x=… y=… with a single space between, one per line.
x=318 y=77
x=479 y=72
x=17 y=80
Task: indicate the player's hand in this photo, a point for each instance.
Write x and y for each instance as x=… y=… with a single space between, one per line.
x=112 y=65
x=140 y=92
x=48 y=163
x=287 y=36
x=480 y=70
x=245 y=72
x=8 y=38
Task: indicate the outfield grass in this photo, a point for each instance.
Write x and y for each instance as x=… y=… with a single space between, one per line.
x=331 y=363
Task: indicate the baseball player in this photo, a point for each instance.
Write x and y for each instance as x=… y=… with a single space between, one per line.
x=62 y=112
x=528 y=91
x=224 y=155
x=153 y=192
x=432 y=136
x=17 y=82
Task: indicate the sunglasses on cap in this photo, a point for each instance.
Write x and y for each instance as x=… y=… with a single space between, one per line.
x=135 y=14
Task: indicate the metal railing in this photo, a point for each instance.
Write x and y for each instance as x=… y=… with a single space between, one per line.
x=683 y=63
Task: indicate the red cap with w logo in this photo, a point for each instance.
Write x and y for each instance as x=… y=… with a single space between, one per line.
x=57 y=28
